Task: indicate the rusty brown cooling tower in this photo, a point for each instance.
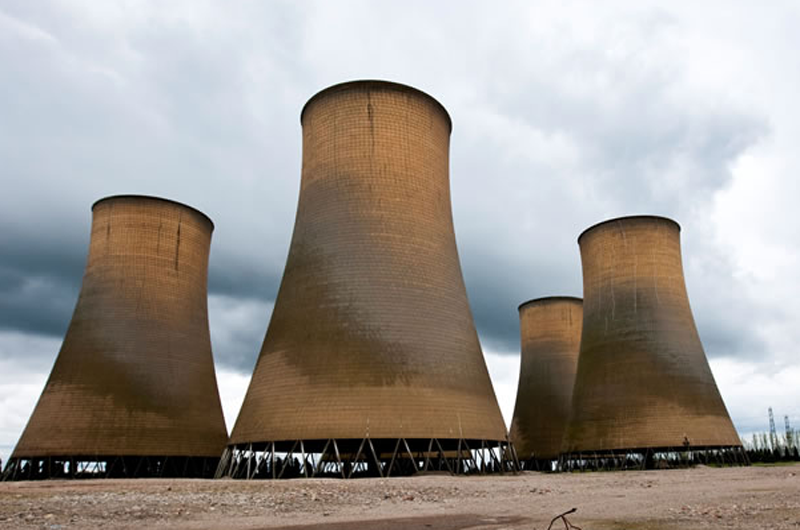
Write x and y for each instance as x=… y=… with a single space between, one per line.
x=550 y=336
x=133 y=390
x=643 y=381
x=371 y=356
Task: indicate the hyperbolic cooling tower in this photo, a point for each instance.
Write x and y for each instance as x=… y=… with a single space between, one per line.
x=643 y=381
x=133 y=390
x=371 y=338
x=550 y=336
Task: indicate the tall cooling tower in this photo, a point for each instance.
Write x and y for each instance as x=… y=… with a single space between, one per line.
x=550 y=336
x=133 y=390
x=371 y=363
x=643 y=383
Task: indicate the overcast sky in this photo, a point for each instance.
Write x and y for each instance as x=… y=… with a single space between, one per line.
x=564 y=115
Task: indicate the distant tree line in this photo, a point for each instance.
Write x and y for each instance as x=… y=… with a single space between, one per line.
x=772 y=447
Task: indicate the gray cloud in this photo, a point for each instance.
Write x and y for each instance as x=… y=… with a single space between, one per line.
x=35 y=304
x=39 y=282
x=38 y=293
x=237 y=330
x=523 y=205
x=562 y=122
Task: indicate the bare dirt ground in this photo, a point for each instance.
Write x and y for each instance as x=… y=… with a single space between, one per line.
x=699 y=498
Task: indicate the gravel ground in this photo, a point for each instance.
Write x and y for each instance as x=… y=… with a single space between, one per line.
x=698 y=498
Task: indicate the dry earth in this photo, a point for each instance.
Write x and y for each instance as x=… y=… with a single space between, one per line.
x=699 y=498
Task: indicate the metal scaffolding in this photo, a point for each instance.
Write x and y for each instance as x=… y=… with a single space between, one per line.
x=352 y=458
x=652 y=458
x=80 y=467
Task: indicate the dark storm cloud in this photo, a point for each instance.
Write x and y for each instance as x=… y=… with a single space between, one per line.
x=497 y=288
x=37 y=305
x=237 y=330
x=203 y=108
x=243 y=281
x=159 y=109
x=39 y=282
x=519 y=215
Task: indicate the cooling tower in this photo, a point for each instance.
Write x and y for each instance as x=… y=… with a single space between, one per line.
x=550 y=336
x=643 y=382
x=133 y=390
x=371 y=355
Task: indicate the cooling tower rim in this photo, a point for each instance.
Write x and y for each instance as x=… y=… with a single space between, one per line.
x=629 y=218
x=378 y=83
x=546 y=299
x=154 y=198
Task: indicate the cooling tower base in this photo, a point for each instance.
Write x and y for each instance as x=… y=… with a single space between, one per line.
x=368 y=457
x=653 y=458
x=81 y=467
x=539 y=464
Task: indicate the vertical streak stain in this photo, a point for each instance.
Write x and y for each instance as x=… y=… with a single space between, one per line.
x=108 y=227
x=178 y=242
x=371 y=117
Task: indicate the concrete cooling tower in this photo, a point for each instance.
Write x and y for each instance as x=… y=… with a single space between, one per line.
x=643 y=386
x=371 y=363
x=133 y=391
x=550 y=336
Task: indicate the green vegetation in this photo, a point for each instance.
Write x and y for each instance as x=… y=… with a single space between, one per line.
x=773 y=448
